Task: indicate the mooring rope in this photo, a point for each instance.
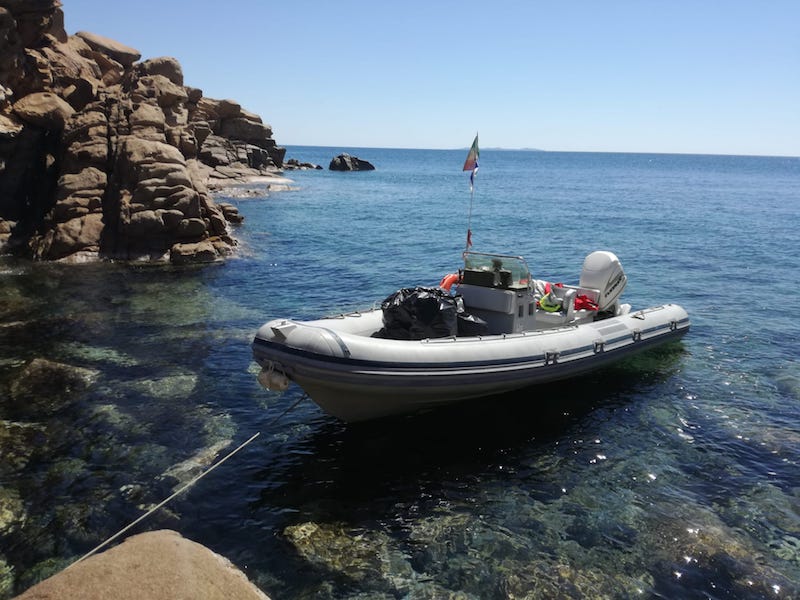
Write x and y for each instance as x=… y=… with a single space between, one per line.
x=183 y=488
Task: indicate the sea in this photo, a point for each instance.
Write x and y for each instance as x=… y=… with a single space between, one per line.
x=675 y=474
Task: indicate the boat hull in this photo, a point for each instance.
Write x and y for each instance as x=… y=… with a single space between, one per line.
x=356 y=377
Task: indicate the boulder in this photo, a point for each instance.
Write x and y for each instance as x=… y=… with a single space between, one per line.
x=111 y=70
x=91 y=153
x=191 y=228
x=158 y=565
x=170 y=217
x=247 y=131
x=145 y=224
x=200 y=252
x=35 y=18
x=295 y=164
x=76 y=235
x=139 y=152
x=345 y=162
x=161 y=89
x=227 y=109
x=43 y=109
x=45 y=386
x=10 y=127
x=166 y=66
x=230 y=212
x=91 y=180
x=125 y=55
x=85 y=125
x=148 y=115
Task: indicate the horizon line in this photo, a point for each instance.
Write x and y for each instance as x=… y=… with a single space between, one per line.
x=527 y=149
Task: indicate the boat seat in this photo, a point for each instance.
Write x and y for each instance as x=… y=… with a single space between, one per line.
x=568 y=314
x=487 y=298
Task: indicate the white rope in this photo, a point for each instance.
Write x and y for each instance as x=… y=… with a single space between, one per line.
x=163 y=502
x=182 y=489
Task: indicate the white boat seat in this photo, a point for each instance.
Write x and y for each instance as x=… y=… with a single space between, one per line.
x=486 y=298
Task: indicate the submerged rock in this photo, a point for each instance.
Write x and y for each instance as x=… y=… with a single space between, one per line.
x=12 y=510
x=6 y=577
x=193 y=466
x=44 y=386
x=361 y=554
x=18 y=443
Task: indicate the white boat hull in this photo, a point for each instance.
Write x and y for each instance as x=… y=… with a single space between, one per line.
x=356 y=377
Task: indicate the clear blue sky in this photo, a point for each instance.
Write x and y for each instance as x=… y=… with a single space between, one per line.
x=717 y=77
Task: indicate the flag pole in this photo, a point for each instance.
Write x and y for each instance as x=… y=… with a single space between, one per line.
x=471 y=164
x=469 y=219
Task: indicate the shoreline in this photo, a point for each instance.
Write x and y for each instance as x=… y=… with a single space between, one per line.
x=249 y=186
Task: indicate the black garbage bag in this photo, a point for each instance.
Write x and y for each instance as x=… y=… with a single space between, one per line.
x=419 y=313
x=470 y=325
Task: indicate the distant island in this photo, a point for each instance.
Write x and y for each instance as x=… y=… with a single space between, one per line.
x=499 y=149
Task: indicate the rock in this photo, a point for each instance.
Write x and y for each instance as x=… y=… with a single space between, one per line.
x=148 y=115
x=345 y=162
x=141 y=152
x=76 y=235
x=46 y=386
x=43 y=109
x=185 y=471
x=360 y=555
x=125 y=55
x=247 y=131
x=191 y=228
x=6 y=577
x=91 y=181
x=145 y=224
x=128 y=176
x=10 y=127
x=171 y=218
x=111 y=71
x=230 y=212
x=161 y=89
x=166 y=66
x=19 y=443
x=159 y=565
x=12 y=510
x=201 y=252
x=295 y=164
x=86 y=125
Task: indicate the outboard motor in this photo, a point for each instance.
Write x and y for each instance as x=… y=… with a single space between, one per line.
x=603 y=271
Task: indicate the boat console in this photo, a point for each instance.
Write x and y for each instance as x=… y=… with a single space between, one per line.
x=499 y=289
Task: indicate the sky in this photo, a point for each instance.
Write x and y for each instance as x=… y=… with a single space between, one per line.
x=677 y=76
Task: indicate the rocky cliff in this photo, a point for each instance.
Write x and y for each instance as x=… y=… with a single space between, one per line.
x=105 y=155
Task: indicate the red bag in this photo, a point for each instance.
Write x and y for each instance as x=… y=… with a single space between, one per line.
x=583 y=302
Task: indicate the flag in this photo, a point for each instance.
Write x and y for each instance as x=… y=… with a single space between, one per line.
x=471 y=164
x=469 y=239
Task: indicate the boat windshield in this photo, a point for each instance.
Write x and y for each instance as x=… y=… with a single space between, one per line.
x=516 y=265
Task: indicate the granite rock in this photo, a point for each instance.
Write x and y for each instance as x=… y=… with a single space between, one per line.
x=156 y=565
x=103 y=155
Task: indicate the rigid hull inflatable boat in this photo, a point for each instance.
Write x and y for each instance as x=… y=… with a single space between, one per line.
x=510 y=332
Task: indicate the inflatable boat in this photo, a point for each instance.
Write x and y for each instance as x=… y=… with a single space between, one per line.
x=488 y=329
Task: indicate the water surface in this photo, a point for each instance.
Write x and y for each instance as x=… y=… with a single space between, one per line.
x=674 y=474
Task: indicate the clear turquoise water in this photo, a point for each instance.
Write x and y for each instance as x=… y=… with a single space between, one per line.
x=674 y=475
